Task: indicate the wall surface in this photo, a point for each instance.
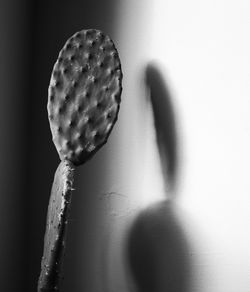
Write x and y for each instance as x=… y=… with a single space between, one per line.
x=201 y=49
x=179 y=218
x=205 y=53
x=165 y=205
x=171 y=212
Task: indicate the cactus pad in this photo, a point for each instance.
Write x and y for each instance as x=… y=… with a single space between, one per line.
x=84 y=95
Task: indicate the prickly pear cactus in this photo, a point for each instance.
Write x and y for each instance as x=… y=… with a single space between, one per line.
x=84 y=95
x=83 y=103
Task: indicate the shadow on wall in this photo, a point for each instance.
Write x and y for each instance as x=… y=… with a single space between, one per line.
x=165 y=124
x=158 y=251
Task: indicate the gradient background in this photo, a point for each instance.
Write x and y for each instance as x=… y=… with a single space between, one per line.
x=165 y=205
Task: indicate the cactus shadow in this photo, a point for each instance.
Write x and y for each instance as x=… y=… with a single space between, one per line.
x=158 y=251
x=164 y=122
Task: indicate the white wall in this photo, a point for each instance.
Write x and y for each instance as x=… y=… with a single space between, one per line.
x=205 y=50
x=202 y=50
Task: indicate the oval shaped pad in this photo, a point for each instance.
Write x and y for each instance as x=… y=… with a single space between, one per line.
x=84 y=95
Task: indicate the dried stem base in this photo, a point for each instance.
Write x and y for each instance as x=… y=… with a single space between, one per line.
x=55 y=235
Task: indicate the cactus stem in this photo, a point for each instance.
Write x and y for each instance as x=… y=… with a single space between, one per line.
x=55 y=235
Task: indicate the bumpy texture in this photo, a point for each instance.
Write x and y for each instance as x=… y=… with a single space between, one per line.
x=57 y=218
x=84 y=95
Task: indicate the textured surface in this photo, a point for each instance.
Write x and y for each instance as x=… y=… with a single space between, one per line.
x=84 y=95
x=54 y=240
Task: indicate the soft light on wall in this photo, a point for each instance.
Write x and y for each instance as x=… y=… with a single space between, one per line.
x=203 y=52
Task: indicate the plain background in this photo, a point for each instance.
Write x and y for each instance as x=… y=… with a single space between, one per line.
x=165 y=205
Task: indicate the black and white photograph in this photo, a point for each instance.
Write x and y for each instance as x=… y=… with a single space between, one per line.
x=125 y=146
